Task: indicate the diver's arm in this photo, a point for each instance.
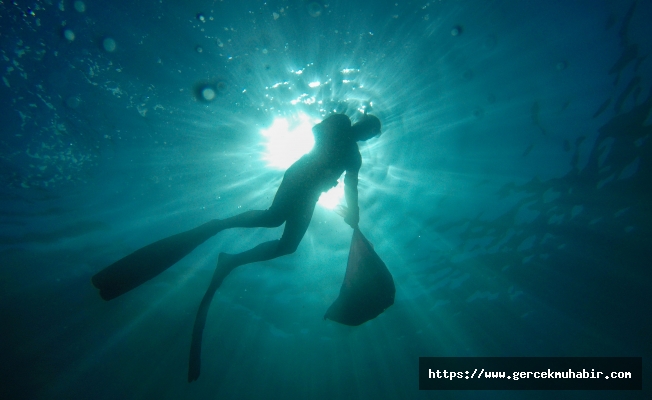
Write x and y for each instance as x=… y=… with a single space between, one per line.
x=351 y=194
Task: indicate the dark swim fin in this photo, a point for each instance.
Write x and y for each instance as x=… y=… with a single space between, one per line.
x=194 y=361
x=149 y=261
x=368 y=288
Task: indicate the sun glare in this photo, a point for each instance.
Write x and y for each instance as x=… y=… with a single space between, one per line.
x=333 y=197
x=286 y=142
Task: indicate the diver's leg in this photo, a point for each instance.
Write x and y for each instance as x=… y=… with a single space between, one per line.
x=264 y=251
x=253 y=219
x=283 y=205
x=295 y=228
x=149 y=261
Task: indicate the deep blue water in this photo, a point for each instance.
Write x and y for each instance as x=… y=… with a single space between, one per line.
x=509 y=194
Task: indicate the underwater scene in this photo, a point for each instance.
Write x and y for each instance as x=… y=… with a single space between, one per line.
x=392 y=180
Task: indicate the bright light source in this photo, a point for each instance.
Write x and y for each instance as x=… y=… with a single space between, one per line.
x=287 y=143
x=333 y=197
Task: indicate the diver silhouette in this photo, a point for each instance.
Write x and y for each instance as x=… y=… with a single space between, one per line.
x=335 y=152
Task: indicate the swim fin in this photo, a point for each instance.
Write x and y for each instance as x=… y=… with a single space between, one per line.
x=194 y=361
x=368 y=288
x=147 y=262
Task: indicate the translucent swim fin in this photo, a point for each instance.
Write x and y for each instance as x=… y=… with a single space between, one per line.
x=368 y=288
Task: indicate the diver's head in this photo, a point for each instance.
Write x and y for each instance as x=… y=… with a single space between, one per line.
x=366 y=128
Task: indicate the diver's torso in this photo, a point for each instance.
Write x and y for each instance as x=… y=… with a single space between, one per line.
x=321 y=168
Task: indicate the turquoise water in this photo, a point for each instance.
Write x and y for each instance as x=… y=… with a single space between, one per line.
x=508 y=195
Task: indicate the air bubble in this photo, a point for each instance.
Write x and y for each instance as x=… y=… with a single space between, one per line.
x=208 y=93
x=314 y=9
x=80 y=6
x=68 y=34
x=73 y=102
x=109 y=44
